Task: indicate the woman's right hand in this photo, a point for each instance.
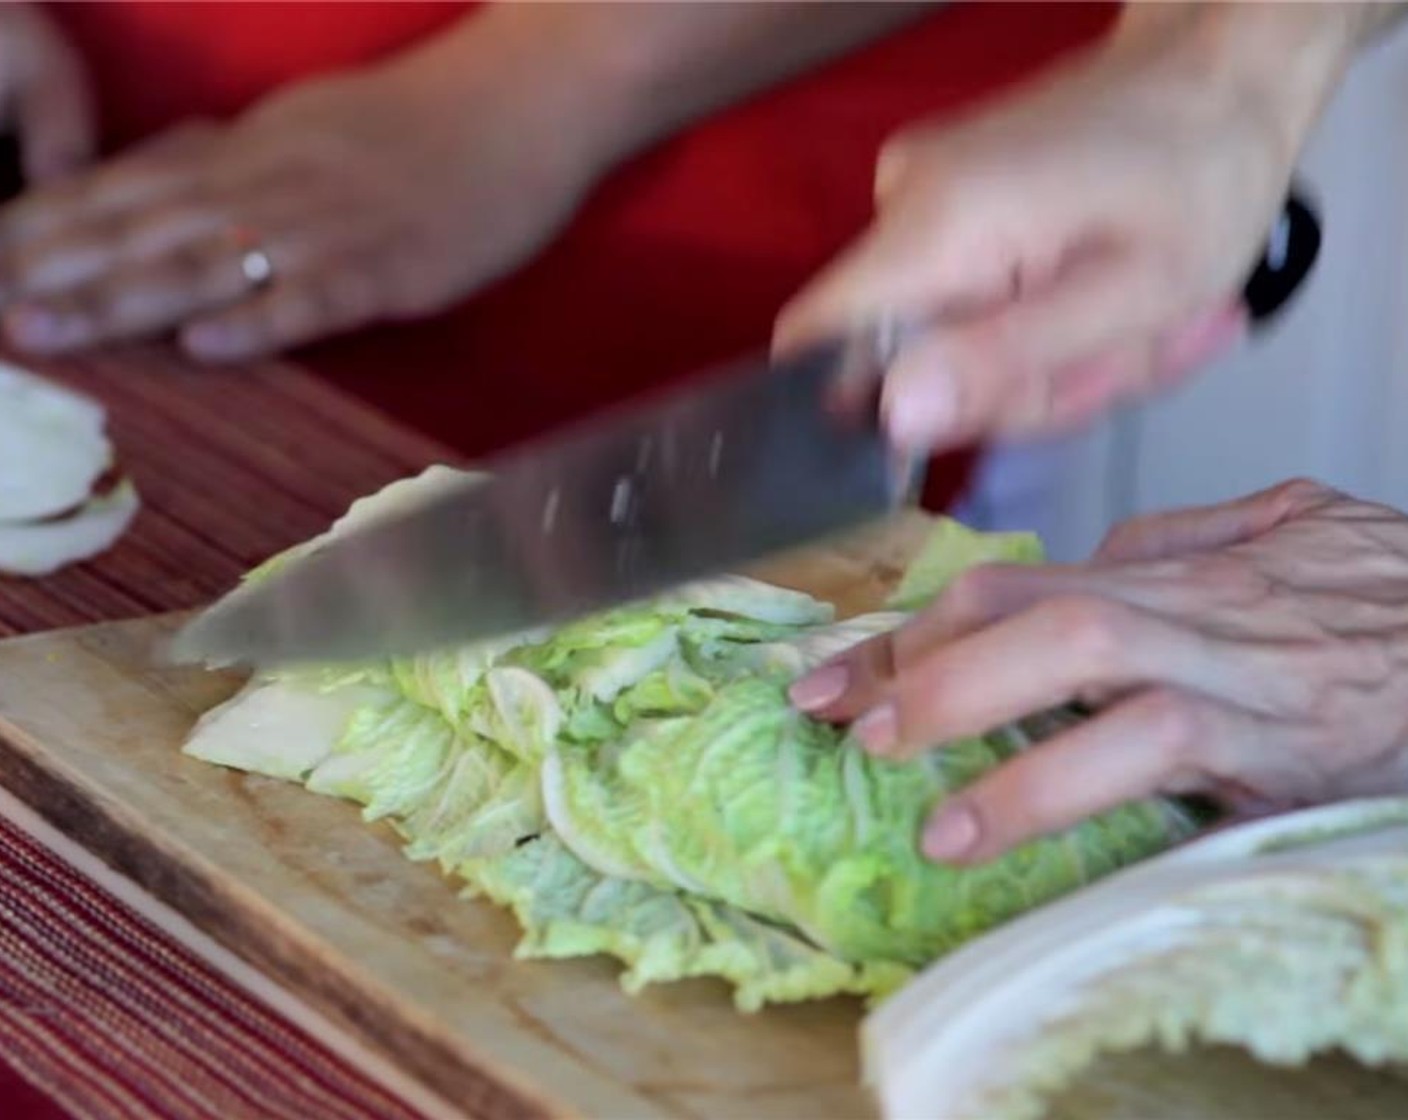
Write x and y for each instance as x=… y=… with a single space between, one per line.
x=44 y=94
x=1083 y=241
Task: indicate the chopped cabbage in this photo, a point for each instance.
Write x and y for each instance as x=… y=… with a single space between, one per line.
x=62 y=498
x=637 y=784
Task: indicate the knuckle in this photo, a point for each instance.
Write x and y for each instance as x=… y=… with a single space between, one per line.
x=1095 y=631
x=1175 y=726
x=1123 y=537
x=969 y=593
x=1227 y=579
x=1298 y=495
x=894 y=161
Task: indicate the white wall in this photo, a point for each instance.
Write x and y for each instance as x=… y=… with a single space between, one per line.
x=1323 y=393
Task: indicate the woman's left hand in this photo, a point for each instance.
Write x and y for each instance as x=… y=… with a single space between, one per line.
x=1256 y=651
x=336 y=203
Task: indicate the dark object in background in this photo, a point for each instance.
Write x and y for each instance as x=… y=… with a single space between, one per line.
x=11 y=180
x=1290 y=254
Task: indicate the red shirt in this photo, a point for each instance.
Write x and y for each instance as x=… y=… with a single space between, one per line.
x=680 y=260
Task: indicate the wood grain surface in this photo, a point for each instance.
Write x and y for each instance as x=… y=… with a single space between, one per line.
x=90 y=730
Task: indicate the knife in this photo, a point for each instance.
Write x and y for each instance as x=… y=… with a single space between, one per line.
x=748 y=461
x=740 y=464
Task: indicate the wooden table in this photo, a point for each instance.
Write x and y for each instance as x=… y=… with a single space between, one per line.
x=101 y=1013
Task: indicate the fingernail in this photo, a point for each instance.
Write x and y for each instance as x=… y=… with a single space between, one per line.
x=923 y=414
x=878 y=729
x=820 y=689
x=952 y=833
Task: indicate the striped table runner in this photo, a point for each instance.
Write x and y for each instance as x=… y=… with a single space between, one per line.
x=102 y=1015
x=232 y=466
x=111 y=1019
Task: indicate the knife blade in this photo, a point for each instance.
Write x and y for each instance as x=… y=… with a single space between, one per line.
x=746 y=462
x=750 y=461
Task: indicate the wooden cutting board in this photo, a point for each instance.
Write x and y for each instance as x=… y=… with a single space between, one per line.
x=298 y=885
x=326 y=907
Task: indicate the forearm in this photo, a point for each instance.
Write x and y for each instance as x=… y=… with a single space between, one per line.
x=1286 y=57
x=1377 y=19
x=619 y=77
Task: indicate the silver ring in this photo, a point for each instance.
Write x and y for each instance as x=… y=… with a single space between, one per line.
x=256 y=266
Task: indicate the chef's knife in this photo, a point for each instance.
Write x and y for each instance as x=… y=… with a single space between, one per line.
x=745 y=463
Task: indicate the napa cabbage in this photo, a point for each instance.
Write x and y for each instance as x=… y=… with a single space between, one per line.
x=637 y=784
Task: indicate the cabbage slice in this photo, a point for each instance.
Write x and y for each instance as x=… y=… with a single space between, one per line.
x=1287 y=937
x=40 y=548
x=56 y=504
x=53 y=448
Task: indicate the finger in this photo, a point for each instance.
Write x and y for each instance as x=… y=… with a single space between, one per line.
x=55 y=119
x=134 y=301
x=1038 y=659
x=294 y=309
x=848 y=686
x=852 y=683
x=907 y=267
x=1154 y=742
x=963 y=381
x=79 y=255
x=161 y=169
x=1085 y=389
x=1206 y=528
x=1198 y=340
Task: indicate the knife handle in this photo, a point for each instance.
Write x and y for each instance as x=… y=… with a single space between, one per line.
x=1290 y=254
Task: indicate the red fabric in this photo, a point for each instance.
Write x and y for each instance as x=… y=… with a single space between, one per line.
x=19 y=1100
x=110 y=1017
x=681 y=260
x=155 y=63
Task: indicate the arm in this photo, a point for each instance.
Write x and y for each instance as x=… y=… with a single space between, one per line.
x=624 y=78
x=1375 y=20
x=1288 y=58
x=433 y=173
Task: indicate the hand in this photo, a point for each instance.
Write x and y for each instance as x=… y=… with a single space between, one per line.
x=44 y=94
x=1254 y=651
x=1084 y=241
x=382 y=195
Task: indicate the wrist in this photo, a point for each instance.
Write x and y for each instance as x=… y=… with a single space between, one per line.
x=558 y=96
x=1281 y=62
